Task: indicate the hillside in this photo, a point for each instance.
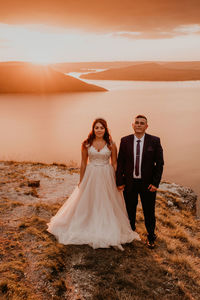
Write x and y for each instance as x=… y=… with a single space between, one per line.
x=149 y=72
x=34 y=266
x=84 y=66
x=19 y=77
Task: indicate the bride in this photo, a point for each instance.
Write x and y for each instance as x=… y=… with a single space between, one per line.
x=95 y=213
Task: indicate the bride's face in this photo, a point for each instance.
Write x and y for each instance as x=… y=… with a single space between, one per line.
x=99 y=130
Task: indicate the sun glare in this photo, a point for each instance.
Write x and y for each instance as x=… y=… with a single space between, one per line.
x=44 y=45
x=40 y=62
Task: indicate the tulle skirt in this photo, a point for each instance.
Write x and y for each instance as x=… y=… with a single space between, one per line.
x=95 y=213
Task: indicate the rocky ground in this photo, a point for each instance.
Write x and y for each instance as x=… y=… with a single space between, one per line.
x=35 y=266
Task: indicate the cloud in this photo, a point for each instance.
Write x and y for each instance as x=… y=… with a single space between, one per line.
x=156 y=34
x=188 y=29
x=144 y=35
x=4 y=43
x=150 y=18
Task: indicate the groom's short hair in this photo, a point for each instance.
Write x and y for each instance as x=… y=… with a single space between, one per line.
x=141 y=116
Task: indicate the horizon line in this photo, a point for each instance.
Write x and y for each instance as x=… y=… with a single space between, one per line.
x=96 y=61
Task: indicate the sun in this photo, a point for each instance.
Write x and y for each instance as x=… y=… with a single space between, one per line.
x=40 y=62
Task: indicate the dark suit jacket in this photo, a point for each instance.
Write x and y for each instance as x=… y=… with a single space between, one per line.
x=151 y=165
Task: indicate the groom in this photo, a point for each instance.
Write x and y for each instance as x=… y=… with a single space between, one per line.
x=139 y=170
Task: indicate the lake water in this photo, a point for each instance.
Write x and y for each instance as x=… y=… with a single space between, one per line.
x=50 y=128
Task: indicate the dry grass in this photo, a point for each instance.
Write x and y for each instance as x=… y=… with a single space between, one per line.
x=35 y=266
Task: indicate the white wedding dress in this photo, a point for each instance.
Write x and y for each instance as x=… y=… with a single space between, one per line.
x=95 y=213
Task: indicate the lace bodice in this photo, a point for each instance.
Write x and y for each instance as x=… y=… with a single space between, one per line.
x=99 y=157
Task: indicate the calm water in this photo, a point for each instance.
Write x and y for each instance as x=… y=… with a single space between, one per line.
x=51 y=128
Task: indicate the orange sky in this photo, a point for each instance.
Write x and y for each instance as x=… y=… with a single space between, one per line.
x=88 y=30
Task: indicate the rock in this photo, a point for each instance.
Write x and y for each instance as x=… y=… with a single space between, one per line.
x=170 y=203
x=34 y=183
x=182 y=196
x=32 y=193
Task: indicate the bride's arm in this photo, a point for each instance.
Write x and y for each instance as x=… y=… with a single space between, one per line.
x=114 y=156
x=84 y=158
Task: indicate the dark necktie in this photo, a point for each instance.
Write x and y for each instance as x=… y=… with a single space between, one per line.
x=137 y=158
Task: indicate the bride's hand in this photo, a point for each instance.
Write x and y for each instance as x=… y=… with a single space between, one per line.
x=121 y=187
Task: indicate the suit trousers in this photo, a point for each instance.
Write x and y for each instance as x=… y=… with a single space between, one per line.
x=131 y=193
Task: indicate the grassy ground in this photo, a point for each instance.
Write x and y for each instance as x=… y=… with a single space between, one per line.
x=35 y=266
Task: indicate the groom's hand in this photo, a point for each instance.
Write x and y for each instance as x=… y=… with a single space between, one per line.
x=152 y=188
x=121 y=187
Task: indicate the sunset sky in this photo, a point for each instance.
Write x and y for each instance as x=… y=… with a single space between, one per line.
x=45 y=31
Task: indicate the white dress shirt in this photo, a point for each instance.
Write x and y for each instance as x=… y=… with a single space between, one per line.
x=141 y=150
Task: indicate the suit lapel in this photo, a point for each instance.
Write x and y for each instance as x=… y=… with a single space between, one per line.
x=146 y=139
x=131 y=148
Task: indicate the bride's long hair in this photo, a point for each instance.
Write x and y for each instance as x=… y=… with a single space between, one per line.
x=91 y=136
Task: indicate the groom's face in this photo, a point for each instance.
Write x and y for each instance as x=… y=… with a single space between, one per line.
x=140 y=125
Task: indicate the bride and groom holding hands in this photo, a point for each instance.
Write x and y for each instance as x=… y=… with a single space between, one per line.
x=101 y=211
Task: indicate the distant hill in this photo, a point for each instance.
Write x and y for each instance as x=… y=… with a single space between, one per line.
x=162 y=71
x=22 y=77
x=186 y=65
x=84 y=66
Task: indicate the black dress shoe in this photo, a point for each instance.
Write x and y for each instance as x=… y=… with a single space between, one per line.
x=151 y=237
x=150 y=244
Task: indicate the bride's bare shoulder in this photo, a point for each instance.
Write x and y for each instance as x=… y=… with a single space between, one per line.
x=85 y=146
